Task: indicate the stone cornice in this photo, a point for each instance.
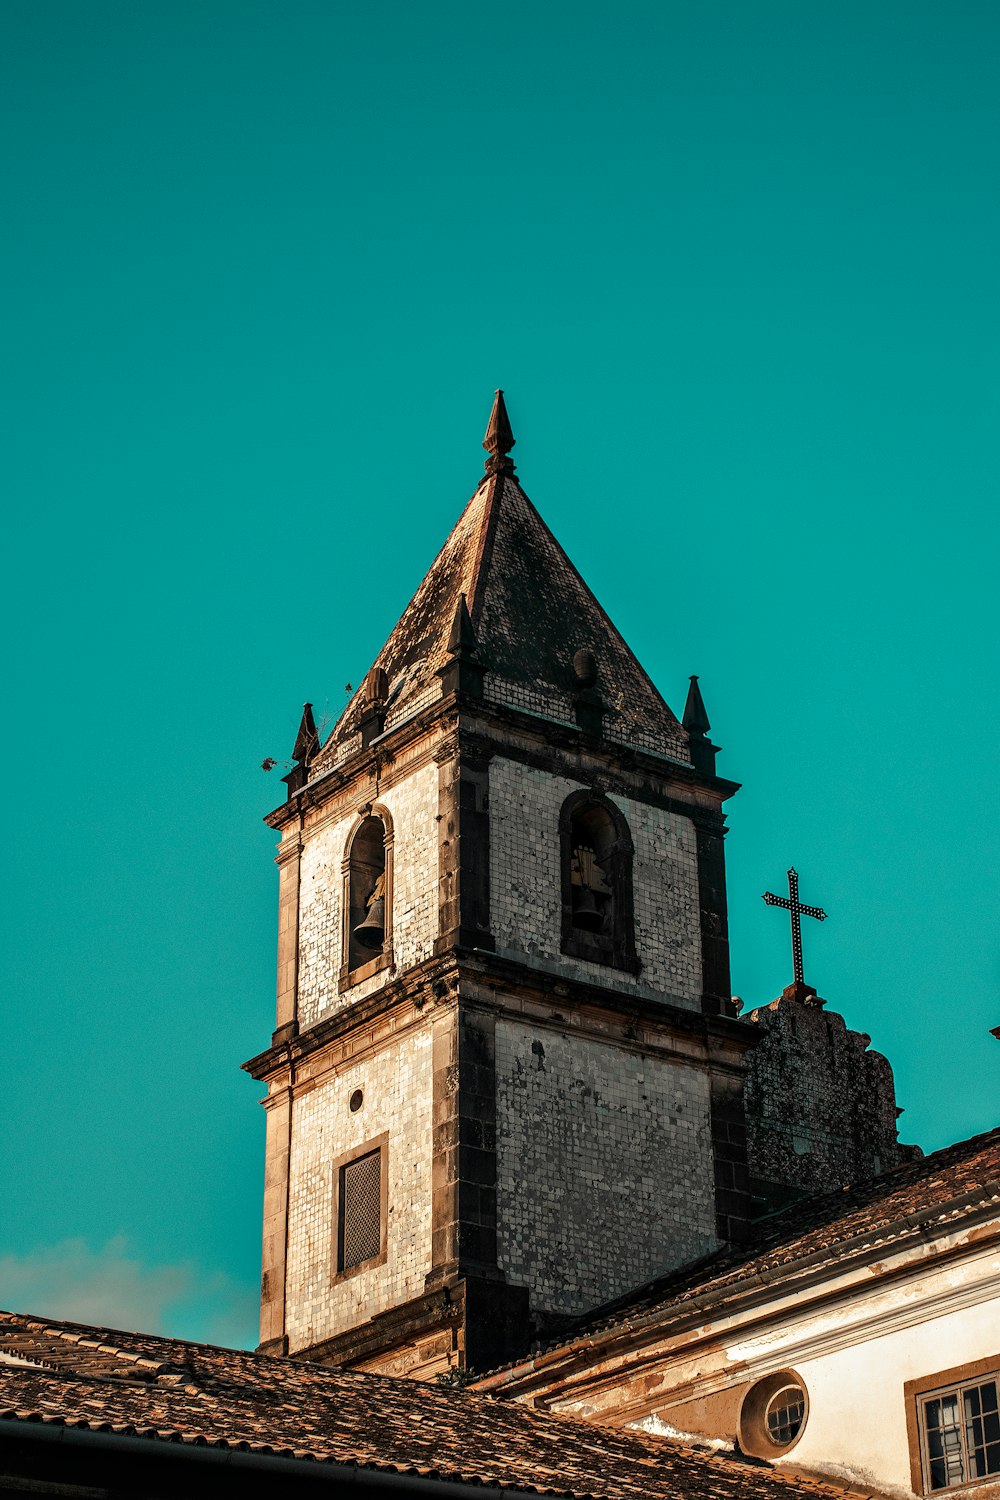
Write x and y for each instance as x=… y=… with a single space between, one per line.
x=721 y=1039
x=678 y=1366
x=375 y=761
x=636 y=772
x=570 y=1004
x=424 y=982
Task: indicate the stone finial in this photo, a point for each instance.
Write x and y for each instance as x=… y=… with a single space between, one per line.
x=307 y=739
x=374 y=692
x=695 y=721
x=499 y=439
x=375 y=688
x=585 y=667
x=462 y=640
x=462 y=671
x=588 y=704
x=695 y=718
x=305 y=751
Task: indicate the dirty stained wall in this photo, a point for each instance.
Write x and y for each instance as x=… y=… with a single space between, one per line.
x=526 y=885
x=413 y=805
x=604 y=1165
x=397 y=1084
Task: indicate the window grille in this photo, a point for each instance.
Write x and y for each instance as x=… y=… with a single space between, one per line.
x=360 y=1228
x=785 y=1414
x=960 y=1429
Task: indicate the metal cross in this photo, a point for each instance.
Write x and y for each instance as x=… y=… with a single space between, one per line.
x=792 y=903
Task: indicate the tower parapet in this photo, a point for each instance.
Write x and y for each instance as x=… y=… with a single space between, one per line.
x=820 y=1105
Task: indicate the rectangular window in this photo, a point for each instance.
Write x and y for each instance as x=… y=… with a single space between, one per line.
x=959 y=1434
x=360 y=1191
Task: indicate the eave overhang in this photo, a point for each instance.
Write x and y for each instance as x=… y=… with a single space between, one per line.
x=569 y=1371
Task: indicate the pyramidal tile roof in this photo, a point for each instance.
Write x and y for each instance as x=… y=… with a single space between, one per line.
x=531 y=612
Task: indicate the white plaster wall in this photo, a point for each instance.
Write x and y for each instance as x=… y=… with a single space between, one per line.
x=604 y=1166
x=397 y=1085
x=857 y=1415
x=526 y=889
x=413 y=805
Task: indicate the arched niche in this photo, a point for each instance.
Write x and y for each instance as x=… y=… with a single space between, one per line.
x=367 y=903
x=597 y=901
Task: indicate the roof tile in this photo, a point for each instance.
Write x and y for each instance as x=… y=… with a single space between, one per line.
x=288 y=1407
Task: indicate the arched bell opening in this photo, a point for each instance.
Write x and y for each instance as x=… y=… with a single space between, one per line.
x=592 y=852
x=368 y=895
x=597 y=904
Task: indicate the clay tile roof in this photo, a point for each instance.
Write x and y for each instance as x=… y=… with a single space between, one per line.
x=938 y=1189
x=154 y=1388
x=531 y=611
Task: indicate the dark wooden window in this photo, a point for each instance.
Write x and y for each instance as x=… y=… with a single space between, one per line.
x=784 y=1415
x=960 y=1435
x=360 y=1231
x=597 y=903
x=953 y=1427
x=360 y=1207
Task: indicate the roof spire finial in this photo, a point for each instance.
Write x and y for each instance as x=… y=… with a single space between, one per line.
x=305 y=751
x=499 y=439
x=695 y=716
x=695 y=721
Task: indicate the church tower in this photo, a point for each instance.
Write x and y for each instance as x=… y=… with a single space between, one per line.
x=505 y=1085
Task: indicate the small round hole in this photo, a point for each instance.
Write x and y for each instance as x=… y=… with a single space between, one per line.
x=357 y=1099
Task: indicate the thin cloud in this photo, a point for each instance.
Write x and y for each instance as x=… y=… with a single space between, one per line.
x=112 y=1287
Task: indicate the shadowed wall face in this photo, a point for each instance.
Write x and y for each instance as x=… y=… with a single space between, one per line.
x=820 y=1107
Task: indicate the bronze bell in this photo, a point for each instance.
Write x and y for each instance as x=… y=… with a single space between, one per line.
x=588 y=914
x=371 y=932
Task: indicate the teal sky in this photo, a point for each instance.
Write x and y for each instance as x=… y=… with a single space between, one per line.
x=735 y=263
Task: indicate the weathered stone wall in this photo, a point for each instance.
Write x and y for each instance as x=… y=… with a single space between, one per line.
x=413 y=805
x=604 y=1165
x=820 y=1107
x=526 y=888
x=398 y=1088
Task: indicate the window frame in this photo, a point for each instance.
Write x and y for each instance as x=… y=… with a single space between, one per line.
x=916 y=1393
x=752 y=1429
x=350 y=976
x=617 y=949
x=379 y=1143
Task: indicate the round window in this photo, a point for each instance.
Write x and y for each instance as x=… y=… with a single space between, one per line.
x=784 y=1414
x=773 y=1415
x=356 y=1101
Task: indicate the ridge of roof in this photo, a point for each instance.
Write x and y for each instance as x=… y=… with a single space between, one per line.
x=292 y=1408
x=828 y=1226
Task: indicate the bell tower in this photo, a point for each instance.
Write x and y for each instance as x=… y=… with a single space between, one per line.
x=505 y=1084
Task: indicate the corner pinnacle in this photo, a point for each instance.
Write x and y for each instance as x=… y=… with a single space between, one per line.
x=695 y=718
x=305 y=751
x=307 y=739
x=695 y=721
x=499 y=439
x=462 y=640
